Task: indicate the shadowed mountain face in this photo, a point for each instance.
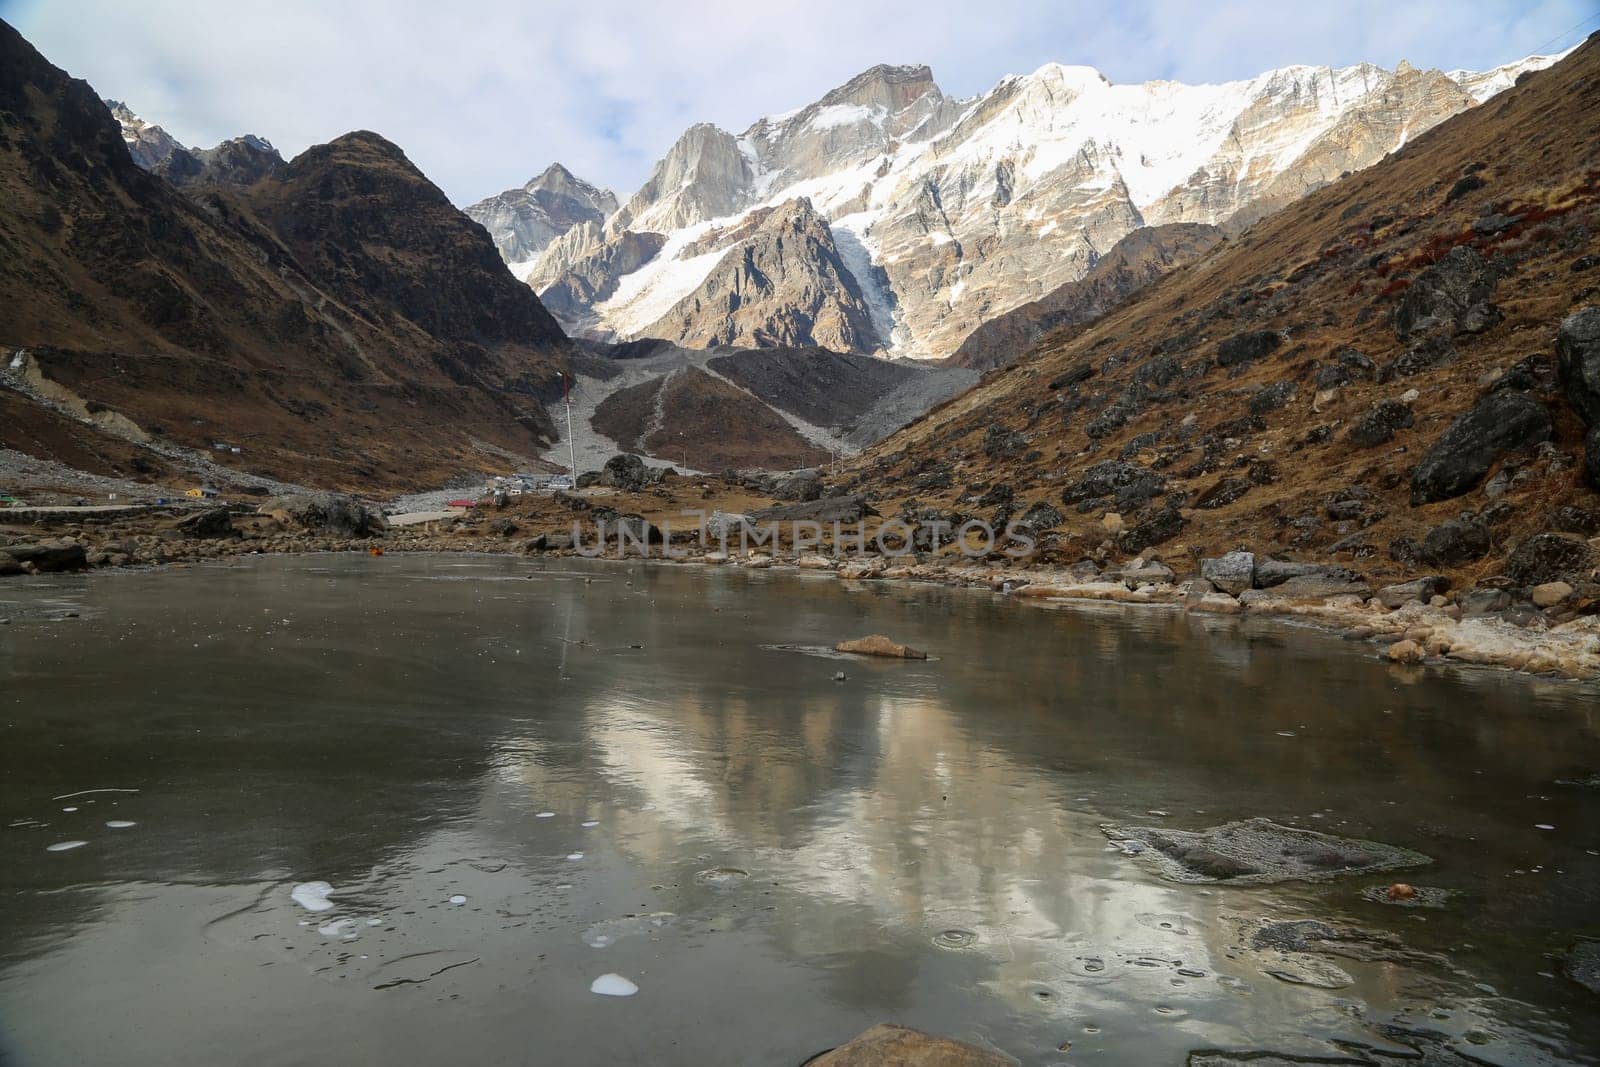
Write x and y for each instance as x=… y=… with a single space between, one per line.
x=1386 y=373
x=337 y=317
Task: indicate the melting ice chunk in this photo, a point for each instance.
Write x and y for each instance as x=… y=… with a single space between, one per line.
x=312 y=896
x=120 y=824
x=590 y=824
x=338 y=928
x=575 y=855
x=613 y=985
x=63 y=846
x=458 y=899
x=545 y=815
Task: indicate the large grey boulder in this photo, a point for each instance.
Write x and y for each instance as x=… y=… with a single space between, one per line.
x=50 y=556
x=1453 y=294
x=1549 y=557
x=1457 y=541
x=1232 y=573
x=332 y=513
x=1578 y=362
x=1501 y=422
x=1421 y=589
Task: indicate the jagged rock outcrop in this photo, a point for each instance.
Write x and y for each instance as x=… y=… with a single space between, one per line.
x=149 y=145
x=524 y=221
x=783 y=286
x=236 y=161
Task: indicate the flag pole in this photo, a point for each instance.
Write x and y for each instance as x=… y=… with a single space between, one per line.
x=572 y=448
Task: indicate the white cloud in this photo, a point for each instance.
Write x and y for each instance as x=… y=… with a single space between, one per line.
x=483 y=95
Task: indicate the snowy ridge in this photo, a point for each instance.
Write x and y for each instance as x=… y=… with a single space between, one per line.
x=948 y=211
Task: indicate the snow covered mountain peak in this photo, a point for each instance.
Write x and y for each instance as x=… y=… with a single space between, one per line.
x=935 y=214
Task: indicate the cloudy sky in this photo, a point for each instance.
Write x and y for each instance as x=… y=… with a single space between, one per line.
x=482 y=95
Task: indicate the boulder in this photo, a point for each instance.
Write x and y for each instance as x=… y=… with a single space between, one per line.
x=1378 y=425
x=1547 y=557
x=1271 y=572
x=887 y=1045
x=1421 y=590
x=1272 y=397
x=879 y=645
x=1159 y=528
x=1232 y=573
x=798 y=485
x=828 y=509
x=49 y=556
x=209 y=523
x=1115 y=477
x=1549 y=594
x=1405 y=651
x=1456 y=541
x=1041 y=517
x=725 y=524
x=1499 y=423
x=1247 y=347
x=1578 y=364
x=625 y=471
x=1591 y=458
x=1452 y=292
x=329 y=513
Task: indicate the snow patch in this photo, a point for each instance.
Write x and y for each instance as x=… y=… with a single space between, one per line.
x=835 y=115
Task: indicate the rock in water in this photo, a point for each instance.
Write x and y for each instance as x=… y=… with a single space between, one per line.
x=1261 y=852
x=1578 y=359
x=888 y=1045
x=879 y=645
x=1499 y=423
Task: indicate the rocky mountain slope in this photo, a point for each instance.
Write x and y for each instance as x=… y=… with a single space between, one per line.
x=1400 y=371
x=524 y=221
x=946 y=213
x=1131 y=264
x=335 y=320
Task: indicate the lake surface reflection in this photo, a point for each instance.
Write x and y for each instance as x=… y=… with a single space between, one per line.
x=515 y=777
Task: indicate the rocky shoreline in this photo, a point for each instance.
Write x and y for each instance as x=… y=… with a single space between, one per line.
x=1551 y=628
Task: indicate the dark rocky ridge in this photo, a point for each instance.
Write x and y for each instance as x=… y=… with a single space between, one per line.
x=344 y=291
